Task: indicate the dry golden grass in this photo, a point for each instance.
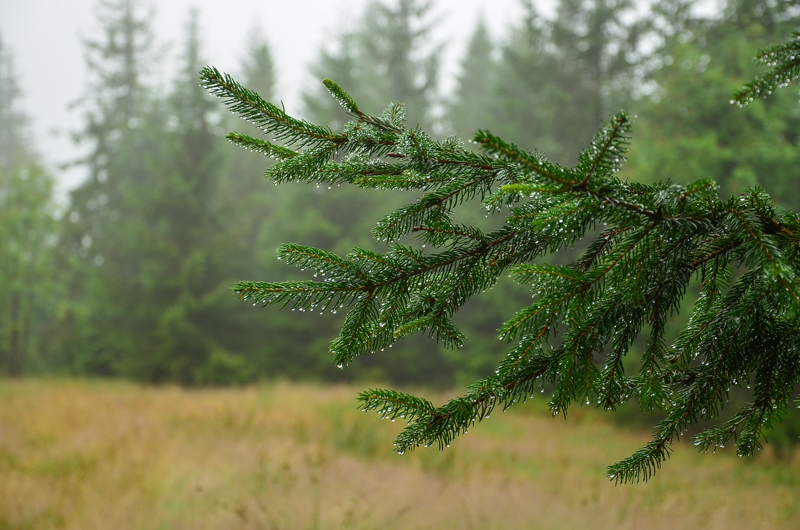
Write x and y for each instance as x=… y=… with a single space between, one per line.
x=94 y=455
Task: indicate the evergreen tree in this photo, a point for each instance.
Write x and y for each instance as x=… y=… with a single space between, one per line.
x=379 y=61
x=472 y=108
x=633 y=274
x=179 y=276
x=245 y=208
x=101 y=309
x=341 y=61
x=256 y=222
x=27 y=228
x=12 y=121
x=243 y=198
x=561 y=77
x=476 y=83
x=556 y=79
x=258 y=66
x=144 y=234
x=689 y=129
x=384 y=58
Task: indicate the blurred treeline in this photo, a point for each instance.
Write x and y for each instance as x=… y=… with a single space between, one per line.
x=132 y=278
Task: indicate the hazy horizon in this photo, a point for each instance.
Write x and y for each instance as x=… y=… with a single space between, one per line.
x=57 y=52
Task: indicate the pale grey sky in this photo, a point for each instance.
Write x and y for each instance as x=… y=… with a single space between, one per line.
x=44 y=37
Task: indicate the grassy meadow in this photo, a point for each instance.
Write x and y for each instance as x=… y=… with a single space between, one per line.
x=110 y=455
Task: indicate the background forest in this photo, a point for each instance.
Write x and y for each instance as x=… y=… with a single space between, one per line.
x=131 y=279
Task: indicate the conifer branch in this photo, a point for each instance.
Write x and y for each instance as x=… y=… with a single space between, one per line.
x=612 y=139
x=344 y=99
x=530 y=161
x=261 y=146
x=267 y=116
x=784 y=62
x=632 y=276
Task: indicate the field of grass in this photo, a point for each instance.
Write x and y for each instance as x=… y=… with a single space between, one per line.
x=110 y=455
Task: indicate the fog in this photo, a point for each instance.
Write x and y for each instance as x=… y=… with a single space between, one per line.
x=44 y=38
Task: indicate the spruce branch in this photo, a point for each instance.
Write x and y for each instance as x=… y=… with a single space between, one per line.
x=274 y=121
x=261 y=146
x=606 y=152
x=344 y=99
x=784 y=63
x=645 y=243
x=527 y=160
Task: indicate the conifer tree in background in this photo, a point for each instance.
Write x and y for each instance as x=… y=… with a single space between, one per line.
x=27 y=228
x=261 y=213
x=102 y=309
x=245 y=203
x=560 y=77
x=386 y=57
x=259 y=218
x=144 y=234
x=342 y=60
x=246 y=208
x=182 y=272
x=380 y=61
x=469 y=110
x=689 y=130
x=555 y=80
x=645 y=243
x=13 y=122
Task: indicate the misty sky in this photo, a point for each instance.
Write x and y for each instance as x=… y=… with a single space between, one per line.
x=44 y=37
